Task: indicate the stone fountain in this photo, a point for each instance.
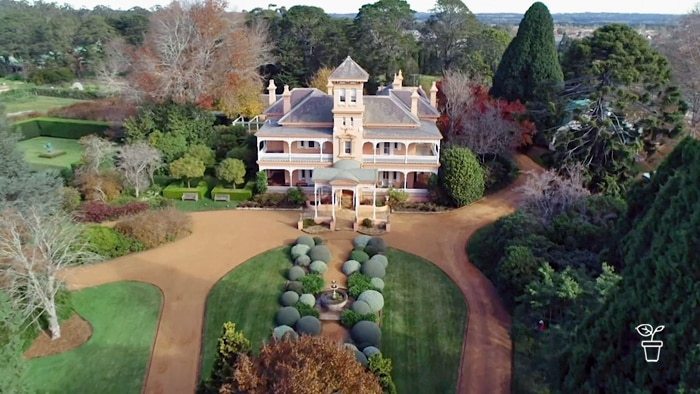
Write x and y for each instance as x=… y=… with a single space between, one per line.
x=334 y=299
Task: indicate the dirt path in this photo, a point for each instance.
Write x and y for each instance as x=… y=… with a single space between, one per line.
x=186 y=270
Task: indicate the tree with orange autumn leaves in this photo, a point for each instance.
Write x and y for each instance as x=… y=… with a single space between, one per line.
x=197 y=52
x=307 y=365
x=471 y=117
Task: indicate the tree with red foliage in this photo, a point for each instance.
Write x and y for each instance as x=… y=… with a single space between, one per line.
x=471 y=117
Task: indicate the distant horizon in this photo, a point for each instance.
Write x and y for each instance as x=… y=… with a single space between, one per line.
x=678 y=7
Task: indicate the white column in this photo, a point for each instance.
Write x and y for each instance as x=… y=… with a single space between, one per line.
x=315 y=201
x=405 y=178
x=374 y=202
x=291 y=179
x=374 y=152
x=333 y=202
x=357 y=205
x=289 y=145
x=406 y=154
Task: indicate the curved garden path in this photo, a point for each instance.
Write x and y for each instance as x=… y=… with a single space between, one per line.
x=186 y=270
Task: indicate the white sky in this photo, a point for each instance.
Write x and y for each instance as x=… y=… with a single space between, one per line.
x=476 y=6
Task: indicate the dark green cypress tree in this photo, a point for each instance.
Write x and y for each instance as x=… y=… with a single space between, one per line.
x=660 y=286
x=529 y=69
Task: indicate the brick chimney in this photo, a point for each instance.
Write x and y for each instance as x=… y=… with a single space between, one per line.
x=329 y=88
x=414 y=102
x=433 y=95
x=287 y=100
x=398 y=80
x=271 y=92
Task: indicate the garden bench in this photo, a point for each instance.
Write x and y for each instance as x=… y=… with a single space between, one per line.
x=190 y=196
x=222 y=197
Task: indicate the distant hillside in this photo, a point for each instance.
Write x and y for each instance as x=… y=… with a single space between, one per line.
x=588 y=18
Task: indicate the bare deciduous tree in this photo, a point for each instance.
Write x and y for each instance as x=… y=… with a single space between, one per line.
x=549 y=193
x=115 y=64
x=488 y=132
x=458 y=90
x=197 y=52
x=34 y=248
x=137 y=163
x=97 y=151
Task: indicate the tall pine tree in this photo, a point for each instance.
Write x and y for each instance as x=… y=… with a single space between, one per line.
x=660 y=286
x=529 y=70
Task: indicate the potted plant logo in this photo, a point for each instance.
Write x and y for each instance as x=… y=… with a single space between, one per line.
x=652 y=348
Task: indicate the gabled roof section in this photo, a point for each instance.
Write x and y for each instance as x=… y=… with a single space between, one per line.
x=347 y=171
x=298 y=95
x=426 y=130
x=315 y=107
x=424 y=107
x=389 y=111
x=349 y=71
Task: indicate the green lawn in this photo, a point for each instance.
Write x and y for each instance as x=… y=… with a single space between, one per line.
x=423 y=325
x=36 y=103
x=34 y=146
x=247 y=296
x=124 y=317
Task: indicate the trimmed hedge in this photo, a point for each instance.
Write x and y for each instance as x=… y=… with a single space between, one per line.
x=370 y=351
x=361 y=308
x=377 y=283
x=235 y=194
x=350 y=267
x=308 y=299
x=318 y=267
x=373 y=269
x=359 y=256
x=306 y=310
x=296 y=273
x=366 y=333
x=361 y=241
x=176 y=190
x=289 y=298
x=378 y=243
x=361 y=358
x=374 y=298
x=306 y=240
x=73 y=129
x=312 y=284
x=303 y=260
x=287 y=316
x=280 y=332
x=320 y=252
x=382 y=259
x=318 y=240
x=308 y=325
x=358 y=283
x=295 y=286
x=299 y=250
x=349 y=318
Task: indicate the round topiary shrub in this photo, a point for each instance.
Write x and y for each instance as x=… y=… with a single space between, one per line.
x=359 y=256
x=370 y=351
x=318 y=241
x=308 y=299
x=306 y=240
x=361 y=307
x=318 y=267
x=287 y=316
x=320 y=252
x=366 y=332
x=378 y=243
x=303 y=260
x=289 y=298
x=309 y=325
x=282 y=331
x=361 y=358
x=371 y=251
x=374 y=298
x=350 y=346
x=351 y=266
x=373 y=269
x=361 y=241
x=296 y=273
x=377 y=283
x=382 y=259
x=299 y=250
x=295 y=286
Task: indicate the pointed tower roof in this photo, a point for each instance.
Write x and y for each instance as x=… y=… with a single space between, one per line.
x=349 y=71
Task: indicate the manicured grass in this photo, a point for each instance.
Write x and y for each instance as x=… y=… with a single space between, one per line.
x=423 y=325
x=124 y=317
x=34 y=146
x=247 y=296
x=204 y=204
x=37 y=103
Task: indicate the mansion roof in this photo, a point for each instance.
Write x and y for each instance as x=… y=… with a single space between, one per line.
x=427 y=129
x=349 y=71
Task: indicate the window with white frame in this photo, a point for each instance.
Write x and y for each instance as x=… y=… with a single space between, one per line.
x=353 y=95
x=305 y=175
x=348 y=147
x=342 y=95
x=389 y=177
x=387 y=148
x=306 y=144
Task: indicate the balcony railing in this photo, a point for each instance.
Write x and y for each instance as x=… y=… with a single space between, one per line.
x=401 y=159
x=295 y=157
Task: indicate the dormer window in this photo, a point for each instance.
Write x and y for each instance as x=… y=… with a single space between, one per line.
x=353 y=95
x=342 y=95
